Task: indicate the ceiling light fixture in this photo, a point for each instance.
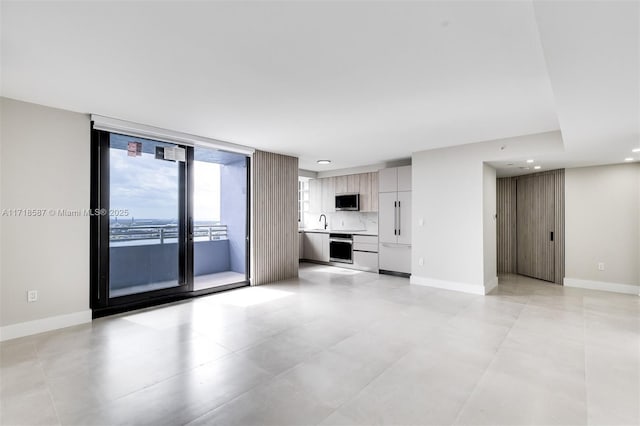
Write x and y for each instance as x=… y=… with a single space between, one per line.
x=635 y=150
x=324 y=161
x=537 y=167
x=628 y=159
x=529 y=161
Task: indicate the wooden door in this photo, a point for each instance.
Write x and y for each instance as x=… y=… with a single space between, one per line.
x=535 y=213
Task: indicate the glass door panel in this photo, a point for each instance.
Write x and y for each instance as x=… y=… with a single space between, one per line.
x=145 y=229
x=219 y=218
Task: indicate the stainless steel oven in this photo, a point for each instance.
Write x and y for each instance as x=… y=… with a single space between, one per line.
x=340 y=248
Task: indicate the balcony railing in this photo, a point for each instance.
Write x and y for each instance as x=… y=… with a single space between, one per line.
x=164 y=233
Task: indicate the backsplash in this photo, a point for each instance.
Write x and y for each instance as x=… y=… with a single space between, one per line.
x=345 y=220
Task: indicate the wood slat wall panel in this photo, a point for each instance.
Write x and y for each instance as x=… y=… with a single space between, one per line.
x=559 y=226
x=506 y=227
x=529 y=208
x=274 y=231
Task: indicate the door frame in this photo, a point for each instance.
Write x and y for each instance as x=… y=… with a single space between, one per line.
x=100 y=302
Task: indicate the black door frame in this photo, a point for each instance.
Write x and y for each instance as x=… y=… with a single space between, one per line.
x=100 y=301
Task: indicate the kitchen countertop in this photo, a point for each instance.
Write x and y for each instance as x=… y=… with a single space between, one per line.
x=340 y=231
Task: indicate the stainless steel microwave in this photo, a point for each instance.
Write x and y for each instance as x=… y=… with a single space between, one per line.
x=348 y=202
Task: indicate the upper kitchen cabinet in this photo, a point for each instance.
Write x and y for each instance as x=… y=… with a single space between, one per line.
x=322 y=192
x=395 y=179
x=368 y=189
x=328 y=194
x=341 y=184
x=315 y=195
x=374 y=191
x=353 y=183
x=348 y=184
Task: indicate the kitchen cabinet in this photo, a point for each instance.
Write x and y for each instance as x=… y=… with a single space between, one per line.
x=315 y=196
x=328 y=195
x=353 y=184
x=365 y=261
x=394 y=257
x=322 y=192
x=365 y=192
x=316 y=246
x=300 y=245
x=404 y=178
x=341 y=184
x=404 y=217
x=394 y=220
x=348 y=184
x=373 y=179
x=387 y=231
x=395 y=179
x=368 y=189
x=365 y=252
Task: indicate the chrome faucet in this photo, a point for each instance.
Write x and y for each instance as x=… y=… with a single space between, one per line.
x=325 y=220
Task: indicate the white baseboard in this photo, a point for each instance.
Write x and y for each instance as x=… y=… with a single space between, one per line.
x=603 y=286
x=28 y=328
x=449 y=285
x=490 y=285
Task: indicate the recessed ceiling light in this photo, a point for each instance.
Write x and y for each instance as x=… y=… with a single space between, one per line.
x=529 y=161
x=635 y=150
x=628 y=159
x=324 y=161
x=537 y=167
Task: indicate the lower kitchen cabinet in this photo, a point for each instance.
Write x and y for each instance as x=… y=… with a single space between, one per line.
x=365 y=260
x=395 y=257
x=316 y=246
x=365 y=252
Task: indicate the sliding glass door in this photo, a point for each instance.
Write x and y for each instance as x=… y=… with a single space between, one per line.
x=171 y=221
x=147 y=215
x=219 y=217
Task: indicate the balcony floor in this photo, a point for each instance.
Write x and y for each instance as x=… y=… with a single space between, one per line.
x=201 y=282
x=216 y=280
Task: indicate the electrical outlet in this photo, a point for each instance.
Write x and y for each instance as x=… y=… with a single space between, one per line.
x=32 y=296
x=601 y=266
x=421 y=261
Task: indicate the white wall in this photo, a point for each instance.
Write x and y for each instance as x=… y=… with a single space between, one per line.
x=447 y=197
x=490 y=249
x=602 y=211
x=454 y=193
x=45 y=164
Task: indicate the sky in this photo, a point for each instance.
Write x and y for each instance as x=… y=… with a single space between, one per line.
x=148 y=188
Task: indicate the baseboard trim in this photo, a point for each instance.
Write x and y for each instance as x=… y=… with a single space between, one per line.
x=603 y=286
x=490 y=285
x=29 y=328
x=449 y=285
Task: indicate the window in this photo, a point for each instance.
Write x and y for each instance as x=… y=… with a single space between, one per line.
x=303 y=199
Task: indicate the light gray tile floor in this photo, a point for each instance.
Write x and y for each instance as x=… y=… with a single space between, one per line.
x=338 y=347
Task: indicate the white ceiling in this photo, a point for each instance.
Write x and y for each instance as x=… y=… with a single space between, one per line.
x=356 y=82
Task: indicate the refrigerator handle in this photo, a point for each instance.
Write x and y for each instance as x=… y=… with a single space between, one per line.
x=395 y=218
x=399 y=218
